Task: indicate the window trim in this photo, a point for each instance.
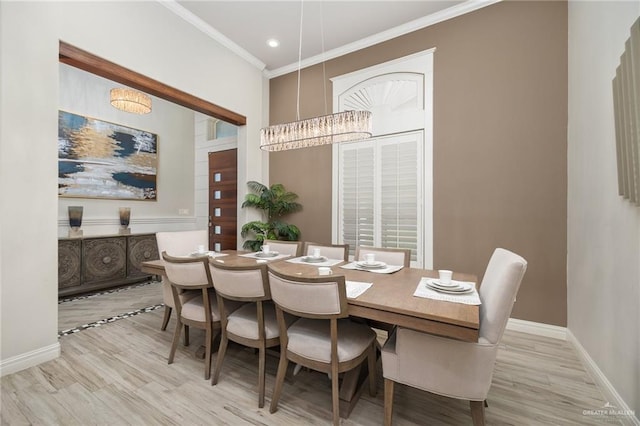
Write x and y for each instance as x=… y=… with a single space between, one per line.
x=422 y=63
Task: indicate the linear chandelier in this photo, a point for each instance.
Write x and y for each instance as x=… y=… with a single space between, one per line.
x=327 y=129
x=130 y=100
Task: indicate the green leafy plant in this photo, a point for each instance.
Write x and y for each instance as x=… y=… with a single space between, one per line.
x=274 y=201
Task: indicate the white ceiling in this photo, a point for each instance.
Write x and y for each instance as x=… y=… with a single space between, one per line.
x=347 y=25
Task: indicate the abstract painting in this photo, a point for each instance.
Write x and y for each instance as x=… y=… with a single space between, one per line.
x=98 y=159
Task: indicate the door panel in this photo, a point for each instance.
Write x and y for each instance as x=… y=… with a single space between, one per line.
x=223 y=200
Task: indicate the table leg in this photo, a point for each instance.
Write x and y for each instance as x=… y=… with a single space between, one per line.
x=351 y=389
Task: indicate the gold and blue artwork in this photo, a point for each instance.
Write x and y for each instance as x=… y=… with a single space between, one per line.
x=98 y=159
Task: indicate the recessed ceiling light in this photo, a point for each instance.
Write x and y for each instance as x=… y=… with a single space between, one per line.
x=272 y=42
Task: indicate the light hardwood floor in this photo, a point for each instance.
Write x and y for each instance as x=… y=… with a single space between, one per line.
x=117 y=374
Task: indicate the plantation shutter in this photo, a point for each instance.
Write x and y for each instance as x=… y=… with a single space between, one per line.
x=379 y=193
x=399 y=208
x=357 y=194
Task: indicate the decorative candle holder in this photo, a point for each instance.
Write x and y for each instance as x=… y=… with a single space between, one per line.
x=125 y=216
x=75 y=221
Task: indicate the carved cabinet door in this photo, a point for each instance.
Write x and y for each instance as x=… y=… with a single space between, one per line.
x=69 y=263
x=140 y=249
x=104 y=259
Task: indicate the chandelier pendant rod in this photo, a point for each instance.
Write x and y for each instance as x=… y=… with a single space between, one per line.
x=299 y=60
x=324 y=69
x=346 y=126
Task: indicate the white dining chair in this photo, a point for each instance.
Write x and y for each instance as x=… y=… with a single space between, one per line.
x=178 y=243
x=254 y=323
x=390 y=256
x=292 y=248
x=323 y=338
x=454 y=368
x=193 y=273
x=331 y=251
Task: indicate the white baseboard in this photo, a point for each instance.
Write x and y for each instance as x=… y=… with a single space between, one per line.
x=537 y=328
x=29 y=359
x=619 y=407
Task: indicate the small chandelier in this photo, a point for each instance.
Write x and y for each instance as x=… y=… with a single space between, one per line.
x=339 y=127
x=130 y=100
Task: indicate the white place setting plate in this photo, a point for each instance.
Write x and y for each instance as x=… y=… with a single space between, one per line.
x=267 y=255
x=311 y=259
x=440 y=284
x=201 y=253
x=460 y=288
x=371 y=265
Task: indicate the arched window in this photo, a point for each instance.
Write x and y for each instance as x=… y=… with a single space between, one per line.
x=382 y=187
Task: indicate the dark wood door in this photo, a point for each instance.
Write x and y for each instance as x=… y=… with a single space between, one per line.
x=223 y=200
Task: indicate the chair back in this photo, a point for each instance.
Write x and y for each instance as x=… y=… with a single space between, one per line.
x=390 y=256
x=498 y=291
x=318 y=297
x=187 y=272
x=249 y=283
x=181 y=243
x=332 y=251
x=292 y=248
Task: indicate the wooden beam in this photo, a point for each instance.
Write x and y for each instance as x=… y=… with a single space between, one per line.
x=86 y=61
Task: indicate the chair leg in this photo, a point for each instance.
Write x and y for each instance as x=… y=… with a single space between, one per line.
x=262 y=354
x=207 y=353
x=335 y=394
x=176 y=338
x=277 y=389
x=477 y=412
x=167 y=315
x=373 y=381
x=388 y=401
x=186 y=335
x=222 y=349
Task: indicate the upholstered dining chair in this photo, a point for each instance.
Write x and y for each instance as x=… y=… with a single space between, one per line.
x=390 y=256
x=178 y=243
x=292 y=248
x=253 y=324
x=193 y=273
x=323 y=338
x=332 y=251
x=454 y=368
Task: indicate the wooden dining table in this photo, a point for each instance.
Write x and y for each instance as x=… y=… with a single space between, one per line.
x=389 y=300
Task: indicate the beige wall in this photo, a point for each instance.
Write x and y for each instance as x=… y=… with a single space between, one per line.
x=500 y=145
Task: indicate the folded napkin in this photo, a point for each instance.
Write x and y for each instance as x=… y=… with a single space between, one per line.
x=327 y=262
x=389 y=269
x=211 y=254
x=468 y=298
x=356 y=288
x=253 y=256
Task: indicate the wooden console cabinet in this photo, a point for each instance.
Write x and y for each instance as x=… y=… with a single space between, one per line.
x=94 y=263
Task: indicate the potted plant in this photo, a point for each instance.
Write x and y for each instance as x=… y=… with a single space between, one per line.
x=274 y=201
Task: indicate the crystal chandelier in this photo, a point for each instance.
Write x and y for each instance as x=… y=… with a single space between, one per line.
x=130 y=100
x=327 y=129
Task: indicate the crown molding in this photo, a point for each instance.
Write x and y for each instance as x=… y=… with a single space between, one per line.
x=417 y=24
x=192 y=19
x=432 y=19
